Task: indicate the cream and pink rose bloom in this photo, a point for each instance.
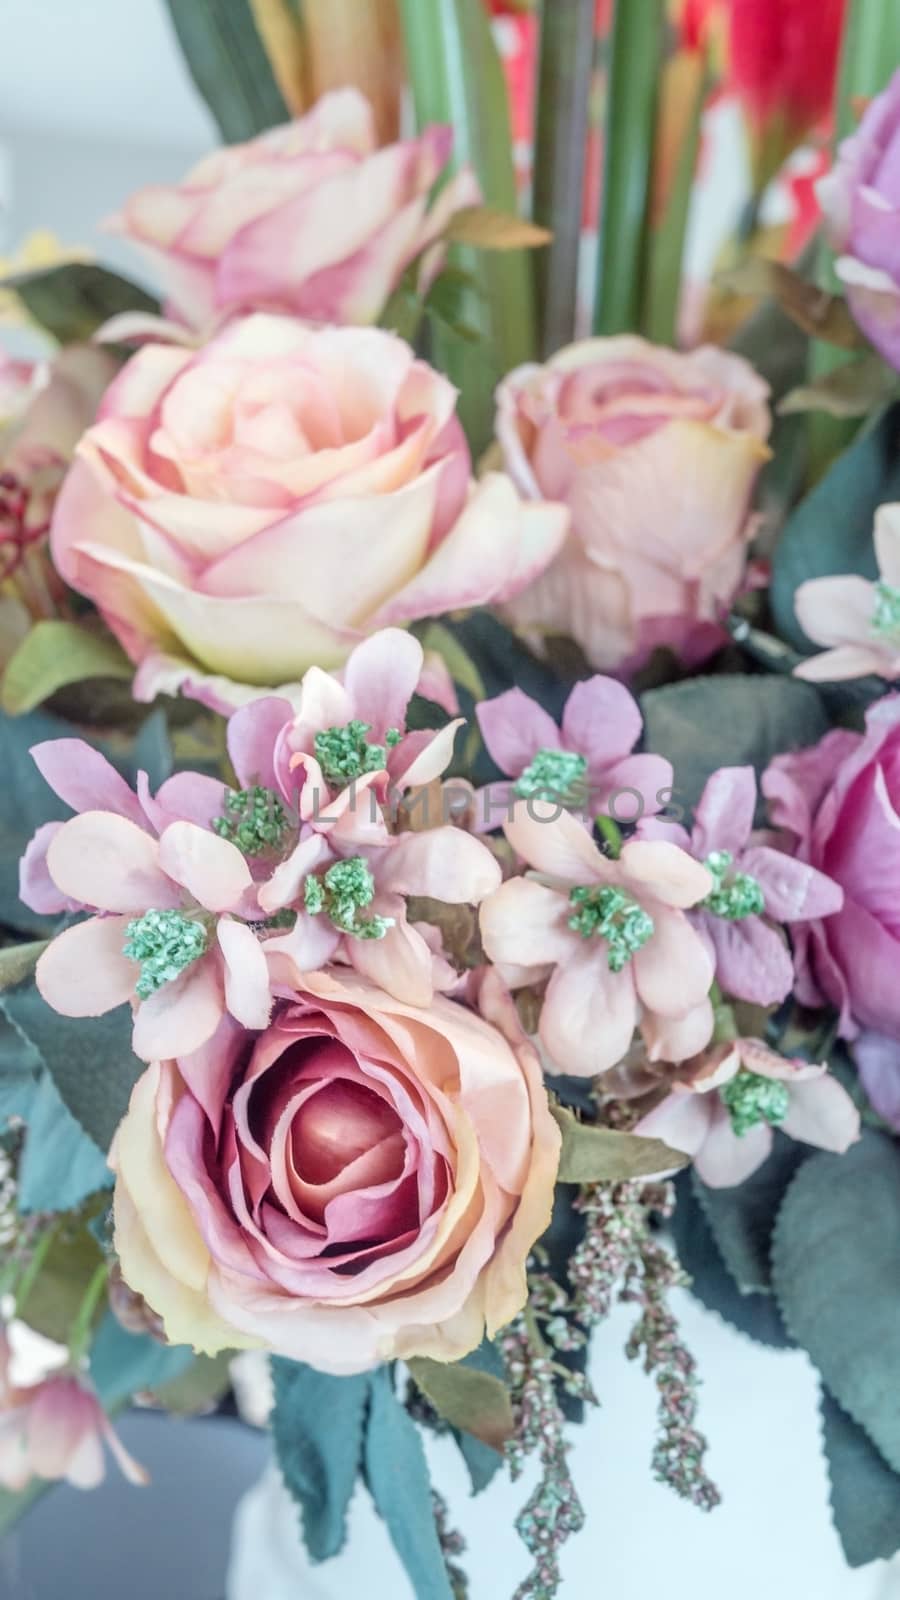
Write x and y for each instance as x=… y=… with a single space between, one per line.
x=310 y=218
x=363 y=1180
x=656 y=454
x=245 y=510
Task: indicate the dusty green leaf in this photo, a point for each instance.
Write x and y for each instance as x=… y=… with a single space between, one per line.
x=488 y=228
x=396 y=1472
x=18 y=961
x=601 y=1155
x=53 y=655
x=820 y=314
x=853 y=389
x=73 y=300
x=865 y=1493
x=476 y=1402
x=317 y=1425
x=228 y=62
x=836 y=1275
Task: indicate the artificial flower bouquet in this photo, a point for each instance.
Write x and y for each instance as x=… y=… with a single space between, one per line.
x=450 y=847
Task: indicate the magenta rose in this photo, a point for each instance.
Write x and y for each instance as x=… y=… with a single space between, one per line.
x=839 y=802
x=311 y=218
x=861 y=201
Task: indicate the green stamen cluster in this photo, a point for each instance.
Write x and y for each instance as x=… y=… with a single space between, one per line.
x=342 y=893
x=554 y=775
x=254 y=820
x=734 y=897
x=886 y=615
x=164 y=943
x=751 y=1099
x=343 y=753
x=611 y=914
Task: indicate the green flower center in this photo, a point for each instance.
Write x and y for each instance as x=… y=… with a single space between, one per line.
x=751 y=1099
x=344 y=753
x=886 y=614
x=164 y=943
x=342 y=893
x=554 y=775
x=613 y=915
x=735 y=895
x=254 y=820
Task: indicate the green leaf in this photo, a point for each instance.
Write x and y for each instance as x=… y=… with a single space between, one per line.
x=482 y=1463
x=123 y=1363
x=634 y=75
x=456 y=659
x=55 y=1297
x=487 y=228
x=830 y=532
x=20 y=1073
x=457 y=77
x=317 y=1425
x=865 y=1493
x=60 y=1166
x=227 y=61
x=198 y=1388
x=89 y=1058
x=741 y=1219
x=54 y=654
x=17 y=961
x=397 y=1475
x=73 y=300
x=755 y=1315
x=852 y=390
x=600 y=1155
x=475 y=1402
x=836 y=1274
x=707 y=723
x=819 y=314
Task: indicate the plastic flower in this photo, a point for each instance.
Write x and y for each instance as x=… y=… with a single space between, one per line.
x=754 y=887
x=364 y=1180
x=245 y=510
x=161 y=890
x=613 y=937
x=56 y=1429
x=581 y=764
x=858 y=620
x=725 y=1103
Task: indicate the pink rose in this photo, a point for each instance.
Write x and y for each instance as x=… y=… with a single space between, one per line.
x=611 y=936
x=839 y=805
x=725 y=1103
x=861 y=201
x=656 y=454
x=361 y=1181
x=311 y=218
x=44 y=409
x=243 y=511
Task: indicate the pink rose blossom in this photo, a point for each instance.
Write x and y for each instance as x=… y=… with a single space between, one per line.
x=362 y=1181
x=838 y=804
x=243 y=511
x=585 y=763
x=56 y=1429
x=860 y=199
x=656 y=454
x=858 y=620
x=725 y=1102
x=756 y=886
x=612 y=936
x=310 y=218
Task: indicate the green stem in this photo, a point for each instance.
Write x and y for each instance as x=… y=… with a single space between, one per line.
x=79 y=1337
x=38 y=1256
x=457 y=77
x=666 y=241
x=634 y=71
x=612 y=835
x=564 y=82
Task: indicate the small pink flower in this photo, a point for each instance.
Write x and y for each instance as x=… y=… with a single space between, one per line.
x=586 y=763
x=726 y=1101
x=161 y=883
x=755 y=887
x=858 y=620
x=612 y=936
x=56 y=1429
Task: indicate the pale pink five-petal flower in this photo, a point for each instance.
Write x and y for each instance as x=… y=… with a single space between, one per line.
x=55 y=1429
x=590 y=1012
x=858 y=620
x=694 y=1117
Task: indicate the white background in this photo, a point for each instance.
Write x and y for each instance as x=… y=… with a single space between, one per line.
x=94 y=101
